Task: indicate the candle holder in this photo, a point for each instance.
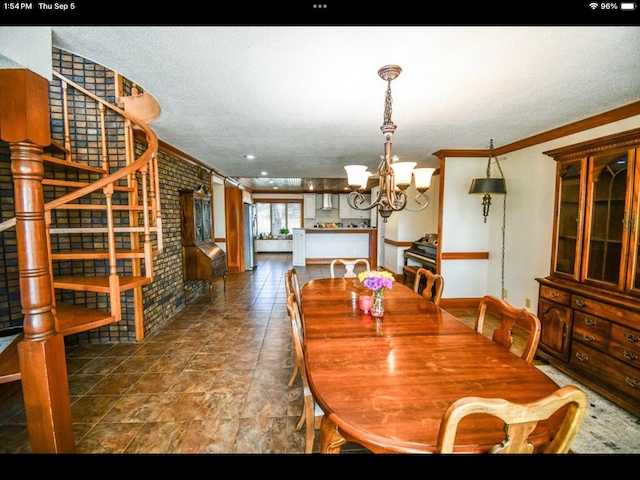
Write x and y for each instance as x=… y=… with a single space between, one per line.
x=365 y=302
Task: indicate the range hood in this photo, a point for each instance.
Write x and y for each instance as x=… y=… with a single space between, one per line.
x=326 y=202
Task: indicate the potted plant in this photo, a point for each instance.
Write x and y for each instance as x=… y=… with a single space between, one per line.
x=284 y=232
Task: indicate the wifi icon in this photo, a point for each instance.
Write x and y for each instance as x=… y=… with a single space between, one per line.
x=593 y=5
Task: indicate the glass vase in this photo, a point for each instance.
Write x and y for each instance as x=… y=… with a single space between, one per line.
x=378 y=303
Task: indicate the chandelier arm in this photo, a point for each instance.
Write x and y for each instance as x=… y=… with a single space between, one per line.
x=356 y=200
x=422 y=207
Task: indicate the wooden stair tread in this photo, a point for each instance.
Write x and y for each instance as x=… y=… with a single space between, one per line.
x=74 y=319
x=67 y=183
x=95 y=206
x=98 y=284
x=100 y=254
x=61 y=163
x=9 y=361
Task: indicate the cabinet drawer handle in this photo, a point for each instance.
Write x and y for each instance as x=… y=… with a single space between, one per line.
x=629 y=355
x=631 y=338
x=582 y=357
x=554 y=295
x=590 y=322
x=581 y=303
x=633 y=382
x=588 y=338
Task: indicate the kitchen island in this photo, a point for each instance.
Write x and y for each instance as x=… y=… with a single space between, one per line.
x=318 y=246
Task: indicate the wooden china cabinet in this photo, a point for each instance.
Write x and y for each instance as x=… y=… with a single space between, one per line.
x=589 y=305
x=202 y=259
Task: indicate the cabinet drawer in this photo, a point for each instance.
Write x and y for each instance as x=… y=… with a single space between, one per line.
x=555 y=295
x=591 y=330
x=625 y=344
x=605 y=310
x=609 y=371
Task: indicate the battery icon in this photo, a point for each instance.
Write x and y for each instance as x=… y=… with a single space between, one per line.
x=627 y=6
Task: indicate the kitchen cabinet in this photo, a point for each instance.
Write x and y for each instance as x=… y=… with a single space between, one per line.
x=309 y=200
x=274 y=245
x=346 y=212
x=589 y=305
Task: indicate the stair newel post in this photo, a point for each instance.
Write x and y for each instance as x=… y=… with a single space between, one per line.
x=114 y=279
x=24 y=124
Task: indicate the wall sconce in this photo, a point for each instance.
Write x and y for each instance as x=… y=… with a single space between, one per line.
x=489 y=186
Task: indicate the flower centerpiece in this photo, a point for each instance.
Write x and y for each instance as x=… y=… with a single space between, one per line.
x=377 y=282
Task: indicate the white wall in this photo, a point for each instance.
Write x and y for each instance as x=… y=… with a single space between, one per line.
x=530 y=178
x=406 y=226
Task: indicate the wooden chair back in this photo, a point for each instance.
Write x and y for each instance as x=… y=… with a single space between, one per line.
x=508 y=316
x=292 y=283
x=434 y=285
x=520 y=420
x=349 y=266
x=311 y=413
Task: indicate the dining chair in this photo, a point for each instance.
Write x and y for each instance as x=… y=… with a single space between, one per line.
x=292 y=284
x=507 y=317
x=434 y=285
x=520 y=420
x=349 y=266
x=311 y=412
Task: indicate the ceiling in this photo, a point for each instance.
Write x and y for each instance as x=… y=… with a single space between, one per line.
x=305 y=101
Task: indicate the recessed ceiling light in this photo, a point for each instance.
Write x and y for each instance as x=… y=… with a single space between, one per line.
x=264 y=173
x=249 y=156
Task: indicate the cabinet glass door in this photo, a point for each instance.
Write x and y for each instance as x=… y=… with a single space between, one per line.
x=206 y=221
x=197 y=219
x=570 y=200
x=609 y=197
x=633 y=275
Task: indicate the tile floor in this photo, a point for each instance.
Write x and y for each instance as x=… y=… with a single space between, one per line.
x=212 y=380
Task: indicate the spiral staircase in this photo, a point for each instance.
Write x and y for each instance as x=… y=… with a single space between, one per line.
x=102 y=210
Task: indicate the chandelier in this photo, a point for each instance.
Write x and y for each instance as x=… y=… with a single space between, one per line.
x=394 y=176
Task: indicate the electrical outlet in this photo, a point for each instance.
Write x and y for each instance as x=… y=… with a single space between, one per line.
x=527 y=302
x=505 y=293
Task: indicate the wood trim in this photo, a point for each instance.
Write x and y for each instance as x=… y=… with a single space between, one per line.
x=234 y=217
x=611 y=116
x=397 y=243
x=465 y=256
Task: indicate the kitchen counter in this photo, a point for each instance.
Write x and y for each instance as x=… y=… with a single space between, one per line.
x=321 y=245
x=339 y=230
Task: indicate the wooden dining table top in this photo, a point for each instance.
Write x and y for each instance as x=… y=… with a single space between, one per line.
x=386 y=383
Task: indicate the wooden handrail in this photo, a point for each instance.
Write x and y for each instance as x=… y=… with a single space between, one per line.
x=145 y=158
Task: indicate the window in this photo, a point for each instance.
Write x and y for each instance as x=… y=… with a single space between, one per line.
x=276 y=215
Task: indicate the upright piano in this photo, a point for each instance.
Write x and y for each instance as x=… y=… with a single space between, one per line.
x=422 y=253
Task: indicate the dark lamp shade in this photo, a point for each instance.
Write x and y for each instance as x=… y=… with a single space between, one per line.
x=488 y=185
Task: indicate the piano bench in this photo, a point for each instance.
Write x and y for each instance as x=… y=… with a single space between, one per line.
x=409 y=274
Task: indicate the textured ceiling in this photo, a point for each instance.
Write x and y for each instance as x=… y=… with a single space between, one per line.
x=307 y=100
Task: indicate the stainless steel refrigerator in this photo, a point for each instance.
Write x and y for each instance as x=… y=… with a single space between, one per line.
x=250 y=225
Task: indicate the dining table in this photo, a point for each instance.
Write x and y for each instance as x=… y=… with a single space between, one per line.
x=385 y=382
